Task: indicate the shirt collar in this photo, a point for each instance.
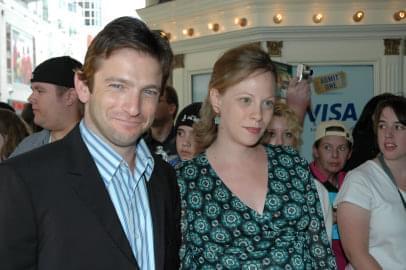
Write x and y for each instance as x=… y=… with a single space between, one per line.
x=322 y=177
x=108 y=160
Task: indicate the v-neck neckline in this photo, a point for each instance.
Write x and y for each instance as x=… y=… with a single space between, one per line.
x=258 y=214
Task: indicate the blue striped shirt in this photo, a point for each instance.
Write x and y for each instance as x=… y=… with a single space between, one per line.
x=128 y=192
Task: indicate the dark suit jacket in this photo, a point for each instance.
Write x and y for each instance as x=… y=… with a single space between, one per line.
x=56 y=214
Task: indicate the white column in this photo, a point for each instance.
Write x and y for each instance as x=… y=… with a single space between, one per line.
x=392 y=68
x=3 y=66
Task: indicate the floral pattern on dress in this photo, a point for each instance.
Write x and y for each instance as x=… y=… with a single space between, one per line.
x=220 y=232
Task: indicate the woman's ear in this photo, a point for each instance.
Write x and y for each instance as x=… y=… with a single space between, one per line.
x=215 y=100
x=82 y=89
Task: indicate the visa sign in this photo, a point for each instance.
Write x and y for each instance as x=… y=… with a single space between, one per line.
x=334 y=111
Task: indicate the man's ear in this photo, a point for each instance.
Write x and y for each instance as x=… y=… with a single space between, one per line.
x=215 y=100
x=71 y=97
x=172 y=109
x=82 y=90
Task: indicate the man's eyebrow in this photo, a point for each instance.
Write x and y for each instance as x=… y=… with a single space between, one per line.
x=128 y=82
x=153 y=86
x=118 y=79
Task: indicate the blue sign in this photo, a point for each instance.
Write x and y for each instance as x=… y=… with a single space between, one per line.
x=344 y=104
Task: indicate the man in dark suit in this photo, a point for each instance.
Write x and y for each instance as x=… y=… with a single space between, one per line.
x=98 y=199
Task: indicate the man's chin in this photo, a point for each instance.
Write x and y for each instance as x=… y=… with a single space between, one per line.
x=40 y=123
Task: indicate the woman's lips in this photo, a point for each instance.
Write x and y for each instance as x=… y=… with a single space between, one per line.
x=253 y=130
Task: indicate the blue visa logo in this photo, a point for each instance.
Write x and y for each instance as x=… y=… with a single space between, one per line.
x=335 y=111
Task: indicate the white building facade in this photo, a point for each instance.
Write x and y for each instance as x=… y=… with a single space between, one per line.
x=356 y=48
x=31 y=32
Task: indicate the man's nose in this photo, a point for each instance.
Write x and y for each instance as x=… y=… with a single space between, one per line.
x=132 y=102
x=31 y=98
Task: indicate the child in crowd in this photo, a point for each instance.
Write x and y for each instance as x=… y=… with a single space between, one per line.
x=331 y=150
x=186 y=146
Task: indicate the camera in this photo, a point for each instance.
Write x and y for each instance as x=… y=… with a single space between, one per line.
x=303 y=72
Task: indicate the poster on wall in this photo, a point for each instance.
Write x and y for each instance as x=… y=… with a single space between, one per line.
x=339 y=92
x=22 y=55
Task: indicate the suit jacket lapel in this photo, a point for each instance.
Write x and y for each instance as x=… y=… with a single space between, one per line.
x=90 y=188
x=157 y=212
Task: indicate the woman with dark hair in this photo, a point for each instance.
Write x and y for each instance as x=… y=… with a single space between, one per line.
x=246 y=205
x=365 y=146
x=371 y=203
x=12 y=131
x=6 y=106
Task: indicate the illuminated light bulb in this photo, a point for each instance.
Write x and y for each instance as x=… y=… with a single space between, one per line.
x=399 y=15
x=188 y=32
x=241 y=21
x=213 y=26
x=358 y=16
x=277 y=18
x=317 y=18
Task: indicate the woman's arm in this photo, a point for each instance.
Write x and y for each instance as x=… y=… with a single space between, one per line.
x=353 y=224
x=319 y=245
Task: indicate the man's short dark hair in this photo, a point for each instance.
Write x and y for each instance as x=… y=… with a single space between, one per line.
x=121 y=33
x=172 y=98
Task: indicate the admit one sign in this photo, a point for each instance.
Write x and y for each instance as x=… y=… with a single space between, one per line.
x=329 y=82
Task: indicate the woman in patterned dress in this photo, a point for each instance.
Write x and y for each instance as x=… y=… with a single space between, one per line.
x=245 y=205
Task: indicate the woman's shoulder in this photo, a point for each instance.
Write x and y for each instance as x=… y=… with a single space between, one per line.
x=191 y=167
x=284 y=154
x=369 y=167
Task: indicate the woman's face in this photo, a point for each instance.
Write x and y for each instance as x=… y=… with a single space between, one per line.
x=245 y=109
x=280 y=133
x=391 y=135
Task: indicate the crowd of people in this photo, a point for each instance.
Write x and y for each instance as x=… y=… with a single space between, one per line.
x=101 y=172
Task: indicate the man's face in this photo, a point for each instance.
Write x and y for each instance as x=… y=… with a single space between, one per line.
x=164 y=112
x=47 y=105
x=331 y=154
x=124 y=97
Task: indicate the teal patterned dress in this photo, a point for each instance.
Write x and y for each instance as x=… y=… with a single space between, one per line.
x=220 y=232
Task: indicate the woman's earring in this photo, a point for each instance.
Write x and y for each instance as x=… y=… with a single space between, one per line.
x=217 y=120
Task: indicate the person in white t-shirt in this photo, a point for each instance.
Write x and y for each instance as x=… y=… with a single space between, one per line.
x=371 y=210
